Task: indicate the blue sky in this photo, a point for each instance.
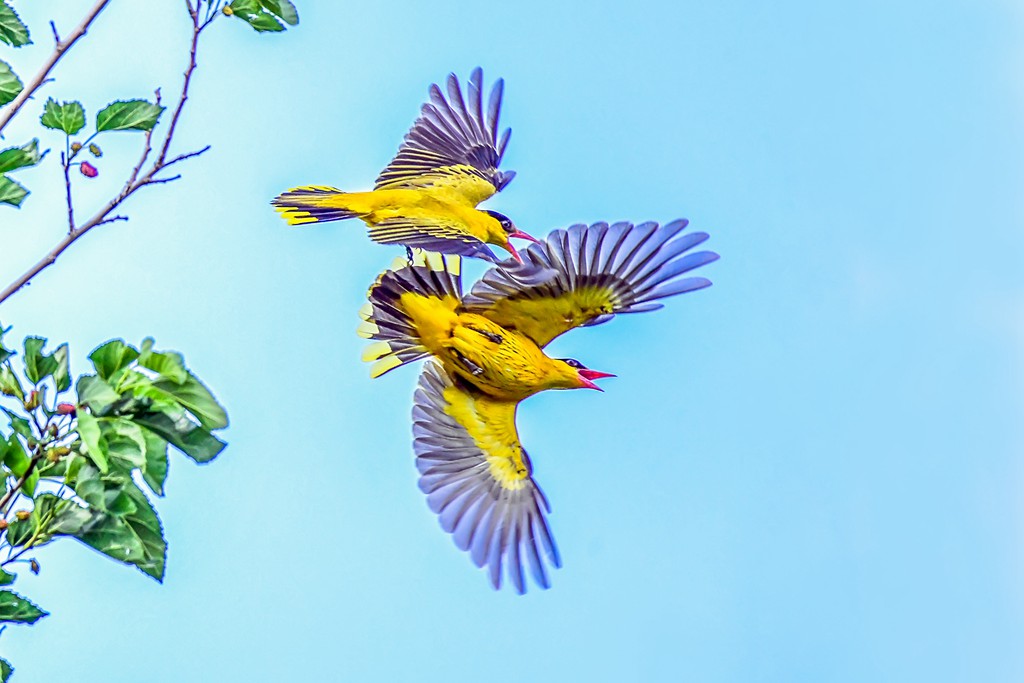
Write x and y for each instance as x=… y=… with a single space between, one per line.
x=810 y=471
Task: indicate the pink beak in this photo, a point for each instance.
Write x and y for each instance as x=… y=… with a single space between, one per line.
x=523 y=236
x=515 y=254
x=586 y=377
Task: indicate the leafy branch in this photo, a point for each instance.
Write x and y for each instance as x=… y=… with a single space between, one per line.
x=74 y=461
x=141 y=115
x=70 y=458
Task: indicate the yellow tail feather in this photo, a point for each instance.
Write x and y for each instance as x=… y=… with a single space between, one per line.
x=312 y=204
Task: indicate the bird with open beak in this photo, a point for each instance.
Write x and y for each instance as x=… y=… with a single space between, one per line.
x=486 y=352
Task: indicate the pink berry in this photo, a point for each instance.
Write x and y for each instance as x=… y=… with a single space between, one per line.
x=88 y=170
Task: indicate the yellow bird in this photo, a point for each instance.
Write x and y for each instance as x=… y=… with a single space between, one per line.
x=487 y=356
x=427 y=196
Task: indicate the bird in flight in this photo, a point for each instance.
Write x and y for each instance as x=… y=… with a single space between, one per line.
x=486 y=355
x=427 y=196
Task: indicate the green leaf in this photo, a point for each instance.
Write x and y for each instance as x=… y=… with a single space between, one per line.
x=10 y=84
x=95 y=393
x=87 y=481
x=19 y=424
x=244 y=8
x=19 y=532
x=10 y=385
x=135 y=538
x=89 y=431
x=5 y=352
x=265 y=23
x=38 y=366
x=253 y=13
x=67 y=116
x=15 y=608
x=198 y=400
x=5 y=670
x=11 y=192
x=124 y=440
x=183 y=434
x=121 y=505
x=6 y=578
x=128 y=115
x=168 y=364
x=154 y=469
x=71 y=519
x=17 y=461
x=283 y=9
x=19 y=157
x=62 y=373
x=12 y=30
x=112 y=359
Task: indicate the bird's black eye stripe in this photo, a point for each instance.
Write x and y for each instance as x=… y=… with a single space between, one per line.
x=573 y=363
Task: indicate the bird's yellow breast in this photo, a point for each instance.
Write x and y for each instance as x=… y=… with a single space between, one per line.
x=500 y=362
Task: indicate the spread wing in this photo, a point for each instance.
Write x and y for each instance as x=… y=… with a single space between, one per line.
x=477 y=478
x=600 y=270
x=453 y=143
x=430 y=235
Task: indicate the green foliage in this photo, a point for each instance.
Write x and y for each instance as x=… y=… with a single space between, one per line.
x=15 y=608
x=127 y=115
x=264 y=15
x=11 y=192
x=83 y=457
x=66 y=116
x=14 y=158
x=12 y=30
x=11 y=159
x=10 y=84
x=69 y=460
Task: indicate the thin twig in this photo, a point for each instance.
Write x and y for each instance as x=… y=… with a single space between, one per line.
x=59 y=50
x=112 y=219
x=65 y=161
x=160 y=181
x=196 y=30
x=135 y=181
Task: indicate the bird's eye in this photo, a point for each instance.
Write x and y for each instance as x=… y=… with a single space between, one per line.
x=573 y=363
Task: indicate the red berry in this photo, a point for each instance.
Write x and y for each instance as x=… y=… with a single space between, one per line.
x=65 y=409
x=88 y=170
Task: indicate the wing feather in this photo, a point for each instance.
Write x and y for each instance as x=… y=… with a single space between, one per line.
x=430 y=236
x=453 y=144
x=478 y=480
x=596 y=271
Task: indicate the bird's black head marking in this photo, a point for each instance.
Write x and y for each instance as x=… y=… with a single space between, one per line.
x=506 y=223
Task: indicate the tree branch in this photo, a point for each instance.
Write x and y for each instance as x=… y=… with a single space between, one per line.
x=59 y=50
x=135 y=181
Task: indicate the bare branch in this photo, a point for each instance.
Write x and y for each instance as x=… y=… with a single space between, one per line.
x=135 y=180
x=59 y=50
x=196 y=30
x=112 y=219
x=188 y=155
x=158 y=181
